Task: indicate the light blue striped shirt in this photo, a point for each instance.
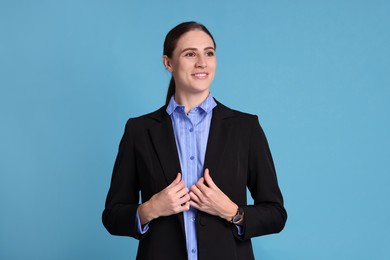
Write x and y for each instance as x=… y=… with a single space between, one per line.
x=191 y=134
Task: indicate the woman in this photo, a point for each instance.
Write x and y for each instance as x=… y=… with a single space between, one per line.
x=192 y=161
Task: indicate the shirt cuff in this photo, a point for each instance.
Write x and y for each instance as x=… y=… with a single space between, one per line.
x=141 y=229
x=240 y=230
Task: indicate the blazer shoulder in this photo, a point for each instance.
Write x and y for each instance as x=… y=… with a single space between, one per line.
x=147 y=120
x=236 y=115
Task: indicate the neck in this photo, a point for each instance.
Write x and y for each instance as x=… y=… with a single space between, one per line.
x=190 y=101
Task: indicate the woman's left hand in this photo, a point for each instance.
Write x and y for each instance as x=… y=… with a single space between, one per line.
x=210 y=199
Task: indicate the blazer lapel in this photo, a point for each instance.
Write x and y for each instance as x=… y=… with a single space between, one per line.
x=217 y=141
x=164 y=143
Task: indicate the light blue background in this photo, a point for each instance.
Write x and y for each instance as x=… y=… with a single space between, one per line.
x=316 y=72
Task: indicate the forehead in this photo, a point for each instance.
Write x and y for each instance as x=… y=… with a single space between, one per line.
x=194 y=39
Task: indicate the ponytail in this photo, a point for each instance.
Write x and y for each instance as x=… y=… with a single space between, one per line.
x=171 y=90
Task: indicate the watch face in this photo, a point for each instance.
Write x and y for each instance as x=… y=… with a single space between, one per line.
x=237 y=218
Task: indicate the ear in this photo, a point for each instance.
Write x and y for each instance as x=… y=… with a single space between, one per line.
x=167 y=63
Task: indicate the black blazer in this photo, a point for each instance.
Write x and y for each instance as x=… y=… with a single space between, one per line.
x=237 y=156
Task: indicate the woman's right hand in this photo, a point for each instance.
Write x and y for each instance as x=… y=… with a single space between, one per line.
x=171 y=200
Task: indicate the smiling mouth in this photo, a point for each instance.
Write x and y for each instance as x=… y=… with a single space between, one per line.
x=200 y=75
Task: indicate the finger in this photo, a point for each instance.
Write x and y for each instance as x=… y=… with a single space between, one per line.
x=184 y=199
x=201 y=186
x=176 y=183
x=208 y=178
x=196 y=190
x=178 y=178
x=193 y=197
x=185 y=206
x=182 y=192
x=178 y=188
x=196 y=194
x=195 y=205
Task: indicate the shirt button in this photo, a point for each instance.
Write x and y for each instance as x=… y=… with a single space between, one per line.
x=193 y=250
x=192 y=158
x=193 y=219
x=191 y=129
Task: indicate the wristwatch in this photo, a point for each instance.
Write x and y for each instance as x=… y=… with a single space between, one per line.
x=238 y=219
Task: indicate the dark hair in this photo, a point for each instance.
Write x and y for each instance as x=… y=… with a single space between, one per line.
x=170 y=44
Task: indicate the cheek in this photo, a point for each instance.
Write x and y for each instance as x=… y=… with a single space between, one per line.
x=184 y=70
x=212 y=64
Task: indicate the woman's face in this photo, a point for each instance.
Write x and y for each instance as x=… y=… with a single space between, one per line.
x=193 y=63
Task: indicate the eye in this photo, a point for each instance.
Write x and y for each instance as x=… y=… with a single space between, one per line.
x=190 y=54
x=210 y=53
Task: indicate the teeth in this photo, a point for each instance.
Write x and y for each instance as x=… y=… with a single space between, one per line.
x=200 y=74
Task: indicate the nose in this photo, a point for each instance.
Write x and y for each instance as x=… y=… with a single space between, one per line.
x=201 y=62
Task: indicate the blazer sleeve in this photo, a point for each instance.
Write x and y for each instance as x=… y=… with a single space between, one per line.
x=268 y=214
x=119 y=215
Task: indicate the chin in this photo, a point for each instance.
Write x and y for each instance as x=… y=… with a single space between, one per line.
x=196 y=88
x=201 y=87
x=199 y=90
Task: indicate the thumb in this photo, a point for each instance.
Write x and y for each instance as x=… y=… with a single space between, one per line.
x=208 y=179
x=176 y=180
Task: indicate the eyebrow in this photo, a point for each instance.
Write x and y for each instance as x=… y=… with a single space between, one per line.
x=195 y=49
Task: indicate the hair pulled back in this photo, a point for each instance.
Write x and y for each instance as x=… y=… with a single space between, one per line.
x=170 y=44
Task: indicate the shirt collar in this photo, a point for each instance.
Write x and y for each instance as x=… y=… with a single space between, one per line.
x=207 y=105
